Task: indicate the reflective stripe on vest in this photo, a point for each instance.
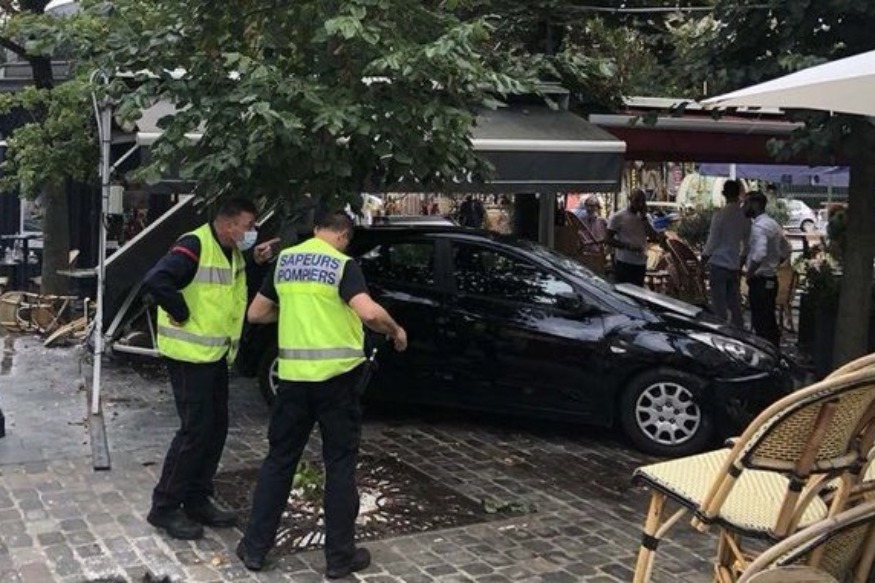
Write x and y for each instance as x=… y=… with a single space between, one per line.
x=319 y=353
x=221 y=275
x=320 y=336
x=216 y=299
x=181 y=334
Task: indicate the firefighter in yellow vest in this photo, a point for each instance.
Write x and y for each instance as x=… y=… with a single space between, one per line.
x=320 y=298
x=200 y=288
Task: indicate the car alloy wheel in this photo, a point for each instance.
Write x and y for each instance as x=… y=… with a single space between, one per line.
x=661 y=413
x=807 y=226
x=274 y=376
x=268 y=375
x=667 y=413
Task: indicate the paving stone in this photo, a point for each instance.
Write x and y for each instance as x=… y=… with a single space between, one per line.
x=73 y=525
x=18 y=540
x=50 y=538
x=586 y=526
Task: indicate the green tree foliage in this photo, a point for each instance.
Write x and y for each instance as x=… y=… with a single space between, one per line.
x=748 y=41
x=322 y=97
x=56 y=140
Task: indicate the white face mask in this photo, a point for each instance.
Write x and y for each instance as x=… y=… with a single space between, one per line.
x=248 y=240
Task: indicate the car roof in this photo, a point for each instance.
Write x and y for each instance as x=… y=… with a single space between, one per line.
x=399 y=231
x=373 y=235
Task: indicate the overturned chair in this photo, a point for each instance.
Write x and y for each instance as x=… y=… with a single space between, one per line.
x=768 y=484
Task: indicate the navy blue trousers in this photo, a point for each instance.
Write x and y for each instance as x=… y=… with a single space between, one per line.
x=335 y=406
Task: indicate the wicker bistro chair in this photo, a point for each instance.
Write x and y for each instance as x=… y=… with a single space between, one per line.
x=767 y=484
x=861 y=363
x=687 y=277
x=842 y=546
x=788 y=280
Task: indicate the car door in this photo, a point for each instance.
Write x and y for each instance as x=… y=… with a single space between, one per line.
x=517 y=338
x=402 y=276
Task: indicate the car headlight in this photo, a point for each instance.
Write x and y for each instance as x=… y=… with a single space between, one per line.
x=735 y=349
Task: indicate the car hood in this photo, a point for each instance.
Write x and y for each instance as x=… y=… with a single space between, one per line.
x=675 y=313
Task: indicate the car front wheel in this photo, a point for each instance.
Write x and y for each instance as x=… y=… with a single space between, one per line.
x=660 y=414
x=807 y=226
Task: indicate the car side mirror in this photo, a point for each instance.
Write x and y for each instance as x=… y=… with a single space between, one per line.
x=572 y=303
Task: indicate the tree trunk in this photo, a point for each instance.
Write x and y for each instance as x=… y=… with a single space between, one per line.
x=56 y=220
x=43 y=76
x=855 y=300
x=56 y=240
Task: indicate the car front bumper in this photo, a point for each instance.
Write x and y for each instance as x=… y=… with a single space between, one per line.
x=735 y=402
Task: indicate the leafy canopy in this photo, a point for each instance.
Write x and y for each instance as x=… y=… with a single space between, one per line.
x=328 y=97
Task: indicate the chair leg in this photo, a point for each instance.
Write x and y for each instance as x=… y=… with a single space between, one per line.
x=646 y=552
x=725 y=569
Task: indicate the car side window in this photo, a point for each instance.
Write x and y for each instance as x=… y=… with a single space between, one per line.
x=483 y=271
x=408 y=262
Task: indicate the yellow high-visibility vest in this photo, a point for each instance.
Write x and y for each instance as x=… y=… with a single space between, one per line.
x=216 y=300
x=320 y=336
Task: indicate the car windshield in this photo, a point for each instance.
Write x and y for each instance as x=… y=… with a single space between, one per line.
x=572 y=267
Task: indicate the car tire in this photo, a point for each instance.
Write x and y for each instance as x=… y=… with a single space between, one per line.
x=659 y=413
x=268 y=378
x=806 y=226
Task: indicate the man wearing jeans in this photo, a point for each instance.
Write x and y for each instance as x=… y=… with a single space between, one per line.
x=768 y=249
x=724 y=254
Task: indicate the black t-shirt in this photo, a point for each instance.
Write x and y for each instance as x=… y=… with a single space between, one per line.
x=352 y=283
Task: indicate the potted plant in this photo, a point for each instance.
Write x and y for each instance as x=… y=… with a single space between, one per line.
x=818 y=311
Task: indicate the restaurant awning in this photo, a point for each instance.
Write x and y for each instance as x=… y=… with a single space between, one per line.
x=538 y=149
x=697 y=138
x=533 y=149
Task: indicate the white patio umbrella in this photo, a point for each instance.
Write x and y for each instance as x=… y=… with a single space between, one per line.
x=843 y=86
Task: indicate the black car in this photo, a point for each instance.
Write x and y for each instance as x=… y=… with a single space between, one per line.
x=505 y=325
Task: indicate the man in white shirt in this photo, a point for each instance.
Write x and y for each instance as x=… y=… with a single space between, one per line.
x=724 y=254
x=628 y=232
x=768 y=249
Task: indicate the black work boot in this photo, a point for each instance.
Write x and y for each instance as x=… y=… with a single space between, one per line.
x=176 y=523
x=209 y=514
x=361 y=559
x=251 y=561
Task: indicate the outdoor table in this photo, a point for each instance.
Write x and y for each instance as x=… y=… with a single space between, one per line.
x=20 y=268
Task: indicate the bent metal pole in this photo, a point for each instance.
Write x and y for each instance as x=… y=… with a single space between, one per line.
x=104 y=128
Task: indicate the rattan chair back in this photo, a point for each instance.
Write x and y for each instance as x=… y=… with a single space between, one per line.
x=855 y=365
x=812 y=435
x=842 y=546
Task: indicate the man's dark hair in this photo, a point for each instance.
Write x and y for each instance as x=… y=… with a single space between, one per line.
x=232 y=207
x=731 y=189
x=757 y=197
x=337 y=221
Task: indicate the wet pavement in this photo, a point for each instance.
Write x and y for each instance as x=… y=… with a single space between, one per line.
x=542 y=502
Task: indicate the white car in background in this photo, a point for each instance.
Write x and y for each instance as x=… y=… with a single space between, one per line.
x=801 y=216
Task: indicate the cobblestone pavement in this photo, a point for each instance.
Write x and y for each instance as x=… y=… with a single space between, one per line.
x=60 y=521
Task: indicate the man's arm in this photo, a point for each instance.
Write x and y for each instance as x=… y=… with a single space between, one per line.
x=713 y=237
x=262 y=310
x=172 y=273
x=378 y=319
x=758 y=250
x=745 y=241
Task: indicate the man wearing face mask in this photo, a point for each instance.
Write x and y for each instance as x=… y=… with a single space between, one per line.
x=200 y=289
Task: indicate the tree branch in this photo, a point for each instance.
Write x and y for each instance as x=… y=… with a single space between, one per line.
x=13 y=46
